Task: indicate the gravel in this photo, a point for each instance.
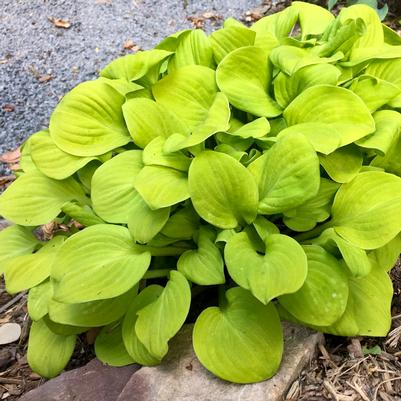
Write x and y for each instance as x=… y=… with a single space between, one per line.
x=40 y=62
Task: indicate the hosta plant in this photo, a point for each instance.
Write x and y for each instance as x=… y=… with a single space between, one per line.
x=234 y=181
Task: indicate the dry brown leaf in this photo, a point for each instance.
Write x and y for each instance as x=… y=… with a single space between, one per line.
x=45 y=78
x=11 y=157
x=131 y=46
x=212 y=16
x=60 y=23
x=8 y=107
x=197 y=22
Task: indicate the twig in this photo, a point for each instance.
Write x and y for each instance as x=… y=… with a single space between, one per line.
x=8 y=380
x=383 y=382
x=358 y=389
x=12 y=302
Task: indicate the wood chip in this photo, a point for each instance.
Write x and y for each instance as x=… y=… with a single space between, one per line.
x=8 y=107
x=9 y=332
x=60 y=23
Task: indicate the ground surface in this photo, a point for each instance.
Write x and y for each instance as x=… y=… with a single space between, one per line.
x=39 y=62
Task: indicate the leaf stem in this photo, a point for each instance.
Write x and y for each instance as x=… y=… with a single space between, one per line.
x=156 y=273
x=313 y=233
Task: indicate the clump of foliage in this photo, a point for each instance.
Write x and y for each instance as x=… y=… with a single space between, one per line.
x=258 y=164
x=382 y=12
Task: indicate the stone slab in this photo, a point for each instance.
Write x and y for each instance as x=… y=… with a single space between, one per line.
x=92 y=382
x=182 y=378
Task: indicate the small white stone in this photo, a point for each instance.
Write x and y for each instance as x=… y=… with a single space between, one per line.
x=9 y=333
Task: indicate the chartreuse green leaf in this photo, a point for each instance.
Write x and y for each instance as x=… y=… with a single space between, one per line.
x=367 y=211
x=122 y=86
x=391 y=37
x=142 y=66
x=386 y=256
x=245 y=76
x=352 y=119
x=368 y=311
x=26 y=163
x=159 y=321
x=373 y=91
x=14 y=241
x=217 y=119
x=88 y=121
x=109 y=346
x=143 y=222
x=48 y=353
x=288 y=87
x=280 y=269
x=93 y=313
x=203 y=266
x=257 y=128
x=356 y=259
x=188 y=92
x=240 y=341
x=81 y=214
x=225 y=40
x=388 y=125
x=131 y=341
x=113 y=193
x=264 y=227
x=287 y=174
x=313 y=211
x=35 y=199
x=62 y=329
x=222 y=191
x=161 y=187
x=38 y=300
x=51 y=160
x=343 y=164
x=96 y=263
x=322 y=299
x=390 y=161
x=147 y=120
x=182 y=224
x=194 y=48
x=26 y=271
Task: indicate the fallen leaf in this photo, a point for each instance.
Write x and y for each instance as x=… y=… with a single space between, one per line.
x=212 y=16
x=131 y=45
x=197 y=22
x=11 y=157
x=45 y=78
x=9 y=333
x=48 y=229
x=8 y=107
x=256 y=13
x=60 y=23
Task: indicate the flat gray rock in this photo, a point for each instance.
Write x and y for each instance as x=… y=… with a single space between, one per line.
x=182 y=378
x=93 y=382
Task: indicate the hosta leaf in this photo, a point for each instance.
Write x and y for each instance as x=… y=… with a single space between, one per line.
x=217 y=119
x=63 y=329
x=159 y=321
x=391 y=161
x=154 y=155
x=26 y=163
x=147 y=120
x=280 y=269
x=205 y=265
x=288 y=87
x=264 y=227
x=188 y=93
x=14 y=241
x=313 y=211
x=26 y=271
x=343 y=164
x=352 y=119
x=161 y=187
x=35 y=199
x=38 y=299
x=131 y=341
x=225 y=40
x=81 y=214
x=99 y=262
x=194 y=48
x=121 y=85
x=245 y=76
x=113 y=192
x=367 y=211
x=144 y=223
x=368 y=308
x=109 y=346
x=88 y=121
x=51 y=160
x=386 y=256
x=92 y=313
x=388 y=125
x=290 y=59
x=48 y=353
x=323 y=297
x=133 y=67
x=182 y=224
x=241 y=341
x=287 y=174
x=222 y=191
x=373 y=91
x=255 y=129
